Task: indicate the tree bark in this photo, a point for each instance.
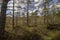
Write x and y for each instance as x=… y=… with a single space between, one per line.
x=3 y=17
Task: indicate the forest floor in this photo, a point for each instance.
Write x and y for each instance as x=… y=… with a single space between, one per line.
x=36 y=29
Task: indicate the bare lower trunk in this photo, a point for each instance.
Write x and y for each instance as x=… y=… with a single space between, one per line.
x=3 y=17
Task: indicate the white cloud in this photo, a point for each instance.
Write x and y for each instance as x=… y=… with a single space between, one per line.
x=24 y=5
x=58 y=5
x=38 y=3
x=30 y=11
x=36 y=0
x=40 y=10
x=35 y=10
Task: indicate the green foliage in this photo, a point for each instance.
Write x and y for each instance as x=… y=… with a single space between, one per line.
x=26 y=36
x=58 y=14
x=39 y=32
x=57 y=37
x=32 y=36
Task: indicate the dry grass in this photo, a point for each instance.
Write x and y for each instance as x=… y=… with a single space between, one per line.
x=35 y=25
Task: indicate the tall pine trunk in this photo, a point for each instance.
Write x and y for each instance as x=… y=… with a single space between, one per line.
x=27 y=13
x=3 y=17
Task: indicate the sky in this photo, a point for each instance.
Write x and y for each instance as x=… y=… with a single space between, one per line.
x=32 y=6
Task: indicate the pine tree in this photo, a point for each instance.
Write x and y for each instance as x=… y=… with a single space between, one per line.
x=53 y=9
x=46 y=11
x=28 y=2
x=3 y=18
x=13 y=16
